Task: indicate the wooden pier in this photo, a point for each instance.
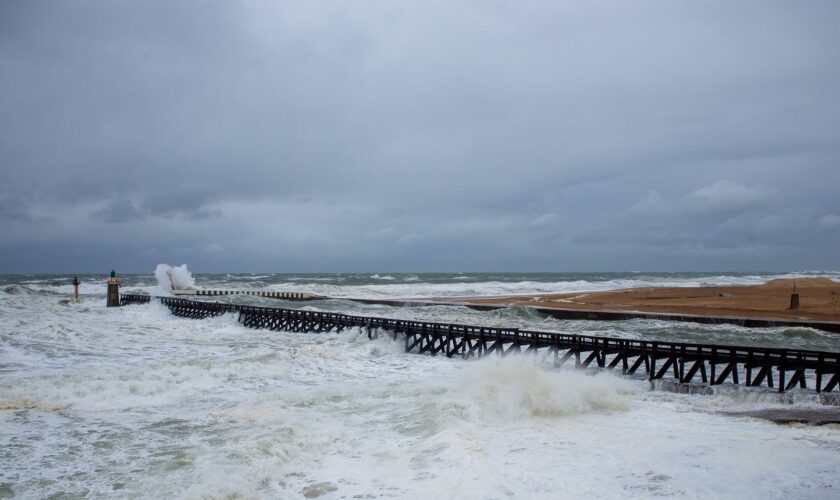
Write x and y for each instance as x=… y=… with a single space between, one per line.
x=271 y=294
x=778 y=369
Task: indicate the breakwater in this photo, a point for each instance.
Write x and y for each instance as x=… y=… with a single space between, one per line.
x=271 y=294
x=777 y=369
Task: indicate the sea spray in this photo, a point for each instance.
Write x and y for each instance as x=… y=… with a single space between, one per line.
x=174 y=278
x=516 y=387
x=135 y=402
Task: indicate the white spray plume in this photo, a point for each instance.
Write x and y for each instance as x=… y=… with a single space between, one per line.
x=174 y=278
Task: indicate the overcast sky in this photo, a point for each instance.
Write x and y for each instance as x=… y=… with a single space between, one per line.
x=256 y=135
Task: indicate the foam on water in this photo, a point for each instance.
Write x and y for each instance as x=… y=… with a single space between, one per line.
x=516 y=387
x=134 y=402
x=396 y=285
x=410 y=286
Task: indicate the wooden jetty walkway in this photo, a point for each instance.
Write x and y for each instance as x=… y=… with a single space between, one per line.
x=682 y=362
x=271 y=294
x=566 y=313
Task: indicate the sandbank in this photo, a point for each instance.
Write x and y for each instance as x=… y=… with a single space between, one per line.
x=819 y=300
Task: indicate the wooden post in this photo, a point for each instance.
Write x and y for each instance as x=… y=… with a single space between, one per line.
x=794 y=298
x=76 y=287
x=113 y=291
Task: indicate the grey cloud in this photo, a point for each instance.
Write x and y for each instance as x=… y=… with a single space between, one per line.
x=723 y=215
x=186 y=205
x=118 y=211
x=555 y=136
x=192 y=204
x=13 y=208
x=828 y=222
x=720 y=200
x=725 y=197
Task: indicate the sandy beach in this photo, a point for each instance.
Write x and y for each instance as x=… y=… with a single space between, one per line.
x=819 y=300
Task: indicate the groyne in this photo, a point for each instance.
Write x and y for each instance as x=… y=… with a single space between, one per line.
x=777 y=369
x=271 y=294
x=591 y=314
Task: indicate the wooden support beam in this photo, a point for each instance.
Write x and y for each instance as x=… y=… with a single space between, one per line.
x=832 y=383
x=514 y=348
x=797 y=378
x=635 y=366
x=442 y=343
x=495 y=346
x=662 y=371
x=725 y=373
x=475 y=349
x=693 y=370
x=589 y=359
x=565 y=358
x=458 y=347
x=763 y=373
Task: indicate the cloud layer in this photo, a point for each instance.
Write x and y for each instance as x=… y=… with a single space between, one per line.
x=419 y=136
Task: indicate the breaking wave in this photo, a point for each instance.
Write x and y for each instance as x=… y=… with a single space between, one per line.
x=174 y=278
x=516 y=387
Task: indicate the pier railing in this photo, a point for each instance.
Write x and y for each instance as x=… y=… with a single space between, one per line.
x=780 y=369
x=270 y=294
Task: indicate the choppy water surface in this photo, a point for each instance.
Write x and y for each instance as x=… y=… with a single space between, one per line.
x=133 y=402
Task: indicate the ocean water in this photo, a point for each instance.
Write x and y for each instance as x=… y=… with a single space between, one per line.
x=133 y=402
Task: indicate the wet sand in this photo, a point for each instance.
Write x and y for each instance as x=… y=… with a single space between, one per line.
x=819 y=300
x=807 y=416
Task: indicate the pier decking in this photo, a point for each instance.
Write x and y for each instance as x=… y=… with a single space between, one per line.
x=754 y=306
x=778 y=369
x=271 y=294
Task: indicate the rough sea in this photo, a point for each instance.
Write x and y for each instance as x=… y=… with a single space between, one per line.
x=133 y=402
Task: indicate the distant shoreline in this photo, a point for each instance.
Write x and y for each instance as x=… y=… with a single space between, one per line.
x=765 y=305
x=819 y=300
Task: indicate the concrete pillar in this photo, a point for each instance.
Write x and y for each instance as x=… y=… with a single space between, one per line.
x=113 y=291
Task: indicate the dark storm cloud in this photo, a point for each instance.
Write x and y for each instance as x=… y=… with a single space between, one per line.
x=13 y=208
x=191 y=204
x=421 y=135
x=120 y=210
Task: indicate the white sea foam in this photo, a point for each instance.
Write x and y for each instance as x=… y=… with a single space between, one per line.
x=468 y=286
x=516 y=387
x=174 y=278
x=134 y=402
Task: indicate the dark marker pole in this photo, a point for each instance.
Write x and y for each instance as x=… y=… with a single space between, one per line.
x=76 y=287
